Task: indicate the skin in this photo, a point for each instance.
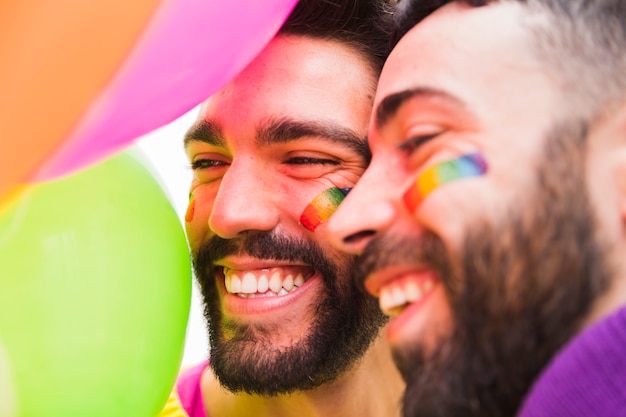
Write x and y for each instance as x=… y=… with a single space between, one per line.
x=449 y=109
x=471 y=84
x=243 y=186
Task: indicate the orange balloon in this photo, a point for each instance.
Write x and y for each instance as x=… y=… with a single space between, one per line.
x=55 y=57
x=11 y=197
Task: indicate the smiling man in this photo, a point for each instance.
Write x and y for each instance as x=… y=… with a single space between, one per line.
x=492 y=219
x=273 y=154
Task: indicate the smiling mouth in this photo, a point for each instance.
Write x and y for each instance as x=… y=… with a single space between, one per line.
x=267 y=282
x=397 y=295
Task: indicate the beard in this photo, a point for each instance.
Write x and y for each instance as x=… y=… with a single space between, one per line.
x=520 y=289
x=245 y=358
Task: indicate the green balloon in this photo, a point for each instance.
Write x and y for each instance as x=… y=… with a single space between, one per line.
x=95 y=290
x=7 y=394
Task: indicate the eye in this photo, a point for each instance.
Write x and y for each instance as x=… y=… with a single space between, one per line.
x=308 y=165
x=209 y=167
x=307 y=160
x=200 y=164
x=410 y=145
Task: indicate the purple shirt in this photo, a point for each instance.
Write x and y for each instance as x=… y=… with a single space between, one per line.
x=587 y=377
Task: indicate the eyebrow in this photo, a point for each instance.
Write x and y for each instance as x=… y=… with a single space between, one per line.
x=390 y=105
x=284 y=130
x=204 y=131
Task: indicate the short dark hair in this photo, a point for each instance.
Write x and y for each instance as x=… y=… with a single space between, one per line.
x=365 y=25
x=410 y=12
x=582 y=42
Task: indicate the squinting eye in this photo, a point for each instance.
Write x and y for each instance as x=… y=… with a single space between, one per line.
x=206 y=163
x=302 y=160
x=207 y=170
x=410 y=145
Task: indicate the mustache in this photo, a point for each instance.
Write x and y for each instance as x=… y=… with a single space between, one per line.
x=385 y=251
x=262 y=246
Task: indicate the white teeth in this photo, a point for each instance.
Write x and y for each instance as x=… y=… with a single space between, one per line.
x=248 y=283
x=275 y=283
x=398 y=296
x=263 y=284
x=412 y=291
x=288 y=282
x=298 y=281
x=259 y=283
x=235 y=284
x=394 y=297
x=227 y=281
x=385 y=299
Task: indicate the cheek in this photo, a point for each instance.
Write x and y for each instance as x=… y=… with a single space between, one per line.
x=191 y=209
x=450 y=211
x=197 y=217
x=441 y=174
x=321 y=207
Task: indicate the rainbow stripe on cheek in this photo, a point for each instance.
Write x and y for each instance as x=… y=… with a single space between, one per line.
x=466 y=166
x=322 y=207
x=191 y=208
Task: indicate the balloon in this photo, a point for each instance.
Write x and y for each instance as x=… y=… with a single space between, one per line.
x=7 y=394
x=11 y=198
x=190 y=49
x=95 y=287
x=56 y=57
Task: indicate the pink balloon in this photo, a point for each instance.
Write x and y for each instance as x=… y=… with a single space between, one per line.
x=190 y=49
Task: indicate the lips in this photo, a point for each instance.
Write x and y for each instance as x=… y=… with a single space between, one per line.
x=415 y=300
x=245 y=298
x=399 y=287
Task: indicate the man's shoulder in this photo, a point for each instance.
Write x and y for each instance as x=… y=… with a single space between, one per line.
x=186 y=398
x=588 y=376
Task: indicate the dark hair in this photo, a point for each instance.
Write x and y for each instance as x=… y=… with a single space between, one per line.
x=410 y=12
x=582 y=42
x=365 y=25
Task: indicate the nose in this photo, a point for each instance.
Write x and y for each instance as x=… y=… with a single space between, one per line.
x=245 y=201
x=367 y=211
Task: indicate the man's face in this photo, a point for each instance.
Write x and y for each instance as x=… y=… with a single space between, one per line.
x=472 y=271
x=283 y=311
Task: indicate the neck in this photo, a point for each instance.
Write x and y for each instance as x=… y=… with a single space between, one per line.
x=372 y=388
x=615 y=296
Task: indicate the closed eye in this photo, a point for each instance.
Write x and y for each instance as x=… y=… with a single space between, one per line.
x=305 y=160
x=410 y=145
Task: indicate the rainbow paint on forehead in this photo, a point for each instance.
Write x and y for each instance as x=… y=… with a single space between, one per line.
x=191 y=208
x=322 y=207
x=466 y=166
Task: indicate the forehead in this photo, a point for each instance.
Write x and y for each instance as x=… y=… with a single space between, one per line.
x=482 y=56
x=297 y=77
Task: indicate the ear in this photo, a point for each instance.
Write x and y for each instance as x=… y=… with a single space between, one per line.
x=606 y=169
x=606 y=173
x=616 y=131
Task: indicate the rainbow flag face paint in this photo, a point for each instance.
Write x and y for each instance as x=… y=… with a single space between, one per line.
x=466 y=166
x=191 y=208
x=322 y=207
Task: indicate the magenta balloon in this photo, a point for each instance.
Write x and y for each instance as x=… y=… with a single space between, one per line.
x=190 y=49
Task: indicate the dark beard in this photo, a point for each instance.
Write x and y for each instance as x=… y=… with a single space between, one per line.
x=520 y=291
x=347 y=321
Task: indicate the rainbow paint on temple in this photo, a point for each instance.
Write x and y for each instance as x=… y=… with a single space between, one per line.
x=322 y=207
x=191 y=208
x=466 y=166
